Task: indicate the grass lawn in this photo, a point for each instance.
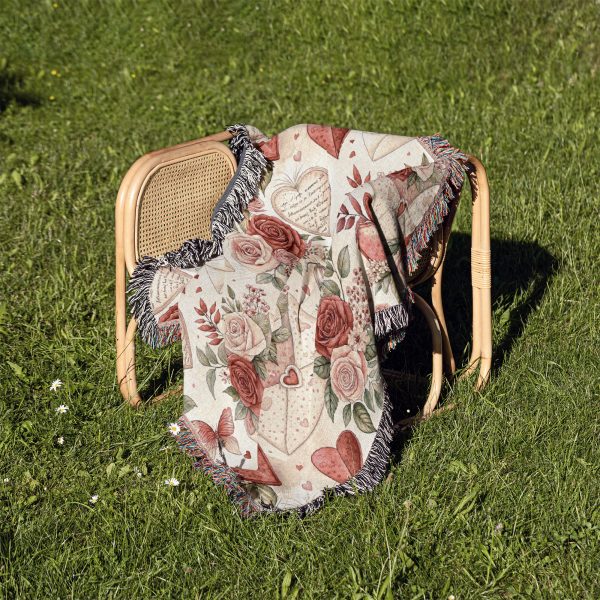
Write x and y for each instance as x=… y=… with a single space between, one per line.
x=495 y=499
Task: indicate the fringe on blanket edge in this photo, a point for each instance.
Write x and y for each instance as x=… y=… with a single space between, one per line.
x=252 y=165
x=391 y=324
x=448 y=192
x=370 y=475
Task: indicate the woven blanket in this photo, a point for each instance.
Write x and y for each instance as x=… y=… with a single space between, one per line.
x=285 y=315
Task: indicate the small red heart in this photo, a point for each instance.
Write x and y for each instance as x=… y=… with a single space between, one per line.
x=298 y=156
x=299 y=467
x=307 y=486
x=352 y=154
x=290 y=377
x=247 y=454
x=198 y=290
x=296 y=136
x=197 y=275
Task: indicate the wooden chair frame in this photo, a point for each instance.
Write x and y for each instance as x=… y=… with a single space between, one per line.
x=126 y=236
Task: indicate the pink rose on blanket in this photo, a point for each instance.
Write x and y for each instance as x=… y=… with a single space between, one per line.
x=250 y=250
x=243 y=336
x=246 y=382
x=277 y=234
x=368 y=240
x=334 y=322
x=348 y=373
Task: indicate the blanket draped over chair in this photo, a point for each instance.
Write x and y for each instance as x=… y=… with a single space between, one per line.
x=285 y=314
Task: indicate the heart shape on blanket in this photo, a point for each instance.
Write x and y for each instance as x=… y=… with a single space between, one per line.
x=342 y=462
x=305 y=203
x=329 y=138
x=291 y=377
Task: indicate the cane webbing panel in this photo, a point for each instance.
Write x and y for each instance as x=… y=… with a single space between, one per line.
x=177 y=202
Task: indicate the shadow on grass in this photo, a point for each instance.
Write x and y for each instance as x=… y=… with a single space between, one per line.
x=520 y=274
x=12 y=89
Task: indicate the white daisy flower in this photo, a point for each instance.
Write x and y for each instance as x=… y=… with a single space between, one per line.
x=94 y=499
x=60 y=440
x=57 y=383
x=172 y=482
x=62 y=409
x=174 y=428
x=6 y=480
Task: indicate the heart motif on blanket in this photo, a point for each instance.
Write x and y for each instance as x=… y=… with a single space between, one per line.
x=379 y=145
x=306 y=202
x=329 y=138
x=293 y=412
x=342 y=462
x=291 y=377
x=264 y=472
x=271 y=148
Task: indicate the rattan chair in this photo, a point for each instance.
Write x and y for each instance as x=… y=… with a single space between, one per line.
x=168 y=197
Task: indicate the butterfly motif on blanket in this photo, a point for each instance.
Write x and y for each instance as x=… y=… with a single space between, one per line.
x=222 y=437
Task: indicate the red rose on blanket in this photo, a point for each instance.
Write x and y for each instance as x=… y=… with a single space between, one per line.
x=246 y=382
x=277 y=234
x=348 y=373
x=252 y=251
x=334 y=322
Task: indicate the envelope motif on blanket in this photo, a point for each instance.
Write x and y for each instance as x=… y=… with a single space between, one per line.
x=285 y=314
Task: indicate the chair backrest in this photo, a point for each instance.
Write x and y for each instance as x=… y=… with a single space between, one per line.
x=168 y=197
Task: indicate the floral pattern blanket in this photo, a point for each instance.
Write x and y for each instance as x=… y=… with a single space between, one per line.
x=285 y=314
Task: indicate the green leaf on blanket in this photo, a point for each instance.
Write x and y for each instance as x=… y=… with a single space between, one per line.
x=328 y=269
x=331 y=287
x=370 y=351
x=240 y=411
x=368 y=399
x=343 y=262
x=263 y=322
x=378 y=398
x=298 y=267
x=202 y=358
x=211 y=356
x=281 y=270
x=260 y=367
x=331 y=401
x=272 y=352
x=347 y=414
x=211 y=377
x=188 y=403
x=230 y=292
x=278 y=282
x=231 y=391
x=362 y=418
x=322 y=367
x=281 y=334
x=393 y=245
x=222 y=354
x=264 y=278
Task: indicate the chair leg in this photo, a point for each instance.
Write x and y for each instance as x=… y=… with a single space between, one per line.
x=481 y=354
x=437 y=374
x=483 y=275
x=438 y=307
x=125 y=335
